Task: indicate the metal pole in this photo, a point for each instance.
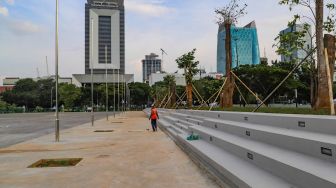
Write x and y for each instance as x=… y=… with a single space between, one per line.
x=118 y=90
x=51 y=98
x=91 y=62
x=57 y=136
x=125 y=94
x=114 y=97
x=106 y=105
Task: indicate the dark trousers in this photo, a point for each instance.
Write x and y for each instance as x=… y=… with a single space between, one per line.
x=154 y=126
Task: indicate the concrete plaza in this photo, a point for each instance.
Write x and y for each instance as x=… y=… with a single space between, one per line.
x=131 y=156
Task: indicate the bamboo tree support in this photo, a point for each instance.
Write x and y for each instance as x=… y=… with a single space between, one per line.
x=208 y=101
x=283 y=81
x=163 y=101
x=332 y=106
x=219 y=93
x=168 y=100
x=241 y=94
x=199 y=99
x=203 y=101
x=179 y=100
x=256 y=96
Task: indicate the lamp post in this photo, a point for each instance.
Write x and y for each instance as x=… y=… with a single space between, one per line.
x=106 y=104
x=91 y=62
x=118 y=90
x=57 y=136
x=51 y=98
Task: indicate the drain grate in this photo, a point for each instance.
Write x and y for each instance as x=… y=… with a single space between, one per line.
x=103 y=131
x=65 y=162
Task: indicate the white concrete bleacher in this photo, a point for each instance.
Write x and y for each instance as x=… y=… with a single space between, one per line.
x=256 y=149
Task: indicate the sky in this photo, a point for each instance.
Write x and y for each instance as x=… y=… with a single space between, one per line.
x=27 y=33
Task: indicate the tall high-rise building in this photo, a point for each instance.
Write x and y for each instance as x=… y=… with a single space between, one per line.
x=104 y=43
x=244 y=44
x=151 y=64
x=104 y=28
x=301 y=53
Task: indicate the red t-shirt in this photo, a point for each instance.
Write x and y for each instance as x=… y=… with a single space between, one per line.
x=154 y=114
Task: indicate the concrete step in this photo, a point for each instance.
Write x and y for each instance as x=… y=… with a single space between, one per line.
x=302 y=169
x=309 y=123
x=170 y=119
x=194 y=121
x=231 y=169
x=314 y=144
x=183 y=128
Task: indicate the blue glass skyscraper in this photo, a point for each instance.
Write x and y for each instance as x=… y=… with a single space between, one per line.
x=244 y=44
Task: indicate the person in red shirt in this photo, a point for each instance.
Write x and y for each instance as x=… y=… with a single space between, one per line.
x=153 y=117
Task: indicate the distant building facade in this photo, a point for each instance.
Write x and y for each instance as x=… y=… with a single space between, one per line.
x=244 y=44
x=301 y=53
x=104 y=43
x=105 y=28
x=151 y=64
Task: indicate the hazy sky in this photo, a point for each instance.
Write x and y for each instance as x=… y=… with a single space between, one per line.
x=27 y=32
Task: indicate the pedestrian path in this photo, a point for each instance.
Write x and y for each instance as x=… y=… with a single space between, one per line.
x=130 y=156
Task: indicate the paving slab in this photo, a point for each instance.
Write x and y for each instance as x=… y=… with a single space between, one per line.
x=130 y=156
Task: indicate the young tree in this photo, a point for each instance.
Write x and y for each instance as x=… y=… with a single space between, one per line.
x=171 y=84
x=227 y=16
x=316 y=9
x=188 y=63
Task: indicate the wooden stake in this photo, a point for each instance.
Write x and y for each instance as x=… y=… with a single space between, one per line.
x=332 y=106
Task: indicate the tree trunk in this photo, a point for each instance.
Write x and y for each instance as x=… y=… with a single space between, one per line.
x=189 y=95
x=228 y=89
x=323 y=98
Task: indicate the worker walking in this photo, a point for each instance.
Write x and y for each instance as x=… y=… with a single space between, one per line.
x=153 y=117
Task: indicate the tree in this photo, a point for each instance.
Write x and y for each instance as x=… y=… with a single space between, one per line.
x=188 y=63
x=139 y=93
x=171 y=84
x=227 y=16
x=321 y=25
x=69 y=95
x=25 y=93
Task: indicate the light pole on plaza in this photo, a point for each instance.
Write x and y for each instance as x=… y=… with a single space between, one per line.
x=91 y=63
x=56 y=77
x=106 y=104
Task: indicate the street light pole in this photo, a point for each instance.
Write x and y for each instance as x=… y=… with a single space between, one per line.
x=51 y=97
x=91 y=62
x=56 y=77
x=118 y=90
x=106 y=104
x=114 y=96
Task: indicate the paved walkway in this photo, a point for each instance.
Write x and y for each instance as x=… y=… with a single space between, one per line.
x=130 y=157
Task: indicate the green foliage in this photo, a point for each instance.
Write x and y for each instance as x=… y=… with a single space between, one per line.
x=207 y=86
x=25 y=93
x=69 y=95
x=140 y=93
x=188 y=63
x=263 y=79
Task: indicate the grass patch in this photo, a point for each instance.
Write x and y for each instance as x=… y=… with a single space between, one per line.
x=45 y=163
x=279 y=110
